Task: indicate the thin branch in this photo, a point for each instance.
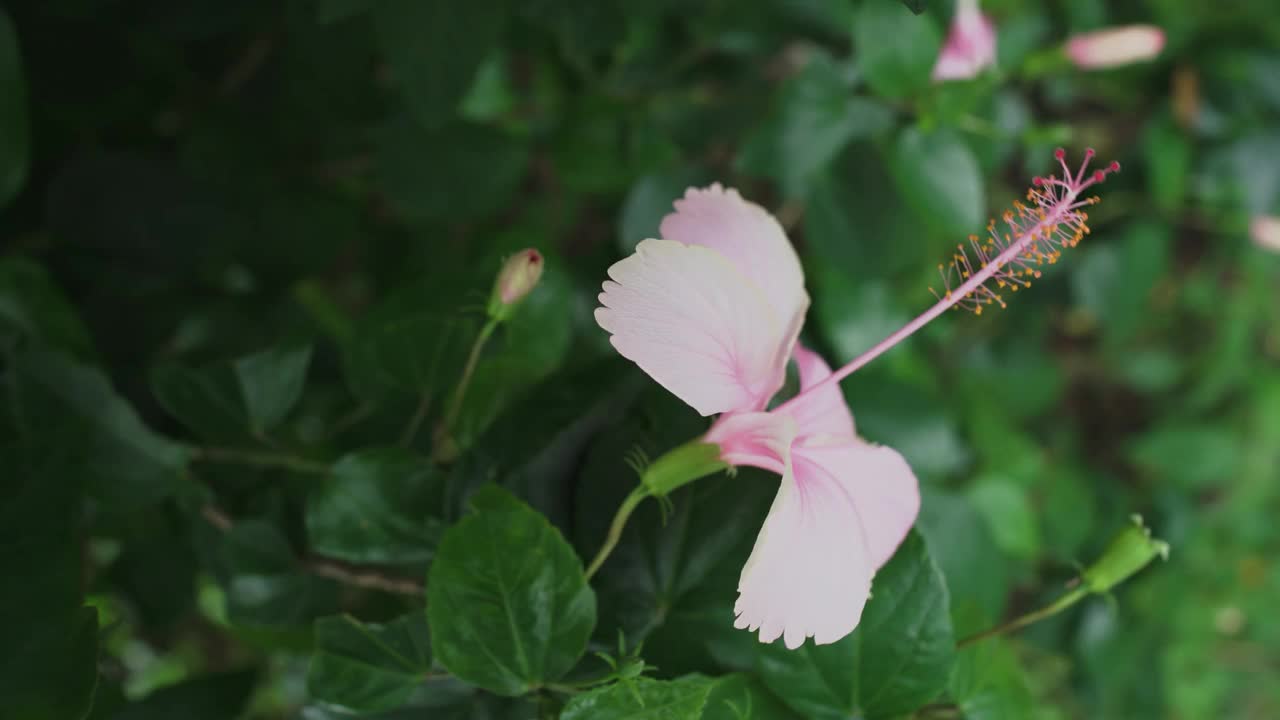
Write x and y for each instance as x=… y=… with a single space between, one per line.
x=247 y=64
x=349 y=574
x=255 y=458
x=217 y=517
x=334 y=569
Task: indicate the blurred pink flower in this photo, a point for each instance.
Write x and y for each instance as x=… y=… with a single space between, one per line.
x=1265 y=231
x=712 y=313
x=970 y=46
x=1113 y=47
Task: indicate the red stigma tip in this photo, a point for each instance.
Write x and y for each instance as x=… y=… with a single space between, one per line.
x=1088 y=153
x=1036 y=181
x=1059 y=153
x=1115 y=166
x=1099 y=176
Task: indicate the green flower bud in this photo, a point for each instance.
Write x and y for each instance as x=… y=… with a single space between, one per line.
x=682 y=465
x=519 y=275
x=1128 y=553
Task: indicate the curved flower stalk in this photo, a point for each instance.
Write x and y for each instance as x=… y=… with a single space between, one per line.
x=970 y=47
x=713 y=312
x=1113 y=47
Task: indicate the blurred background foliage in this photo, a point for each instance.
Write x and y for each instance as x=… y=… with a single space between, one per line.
x=247 y=246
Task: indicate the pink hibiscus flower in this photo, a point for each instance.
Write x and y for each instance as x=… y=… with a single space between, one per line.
x=713 y=313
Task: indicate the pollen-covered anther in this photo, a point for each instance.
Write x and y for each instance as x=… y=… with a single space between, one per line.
x=1035 y=234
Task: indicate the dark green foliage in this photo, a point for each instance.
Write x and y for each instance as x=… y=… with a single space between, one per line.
x=245 y=256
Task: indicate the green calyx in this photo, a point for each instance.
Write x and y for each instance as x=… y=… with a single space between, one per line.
x=680 y=466
x=1130 y=551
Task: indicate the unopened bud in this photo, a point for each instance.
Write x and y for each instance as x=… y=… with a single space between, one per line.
x=1115 y=46
x=519 y=275
x=1130 y=551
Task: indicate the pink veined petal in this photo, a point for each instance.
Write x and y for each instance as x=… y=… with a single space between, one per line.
x=876 y=482
x=695 y=324
x=751 y=238
x=756 y=439
x=823 y=412
x=808 y=574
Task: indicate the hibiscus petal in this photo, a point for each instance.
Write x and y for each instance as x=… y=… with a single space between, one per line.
x=879 y=486
x=695 y=324
x=720 y=219
x=821 y=413
x=840 y=513
x=808 y=574
x=756 y=439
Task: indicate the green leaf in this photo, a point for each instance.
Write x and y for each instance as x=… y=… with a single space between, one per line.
x=940 y=178
x=909 y=419
x=643 y=699
x=209 y=697
x=859 y=224
x=961 y=542
x=895 y=49
x=988 y=683
x=238 y=400
x=507 y=601
x=1192 y=456
x=55 y=669
x=366 y=667
x=602 y=144
x=1009 y=514
x=1167 y=154
x=156 y=570
x=377 y=506
x=265 y=583
x=49 y=668
x=434 y=48
x=815 y=117
x=328 y=11
x=649 y=200
x=539 y=440
x=898 y=659
x=15 y=153
x=33 y=307
x=743 y=697
x=271 y=382
x=415 y=352
x=123 y=462
x=1241 y=174
x=916 y=6
x=1113 y=283
x=455 y=172
x=672 y=580
x=853 y=314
